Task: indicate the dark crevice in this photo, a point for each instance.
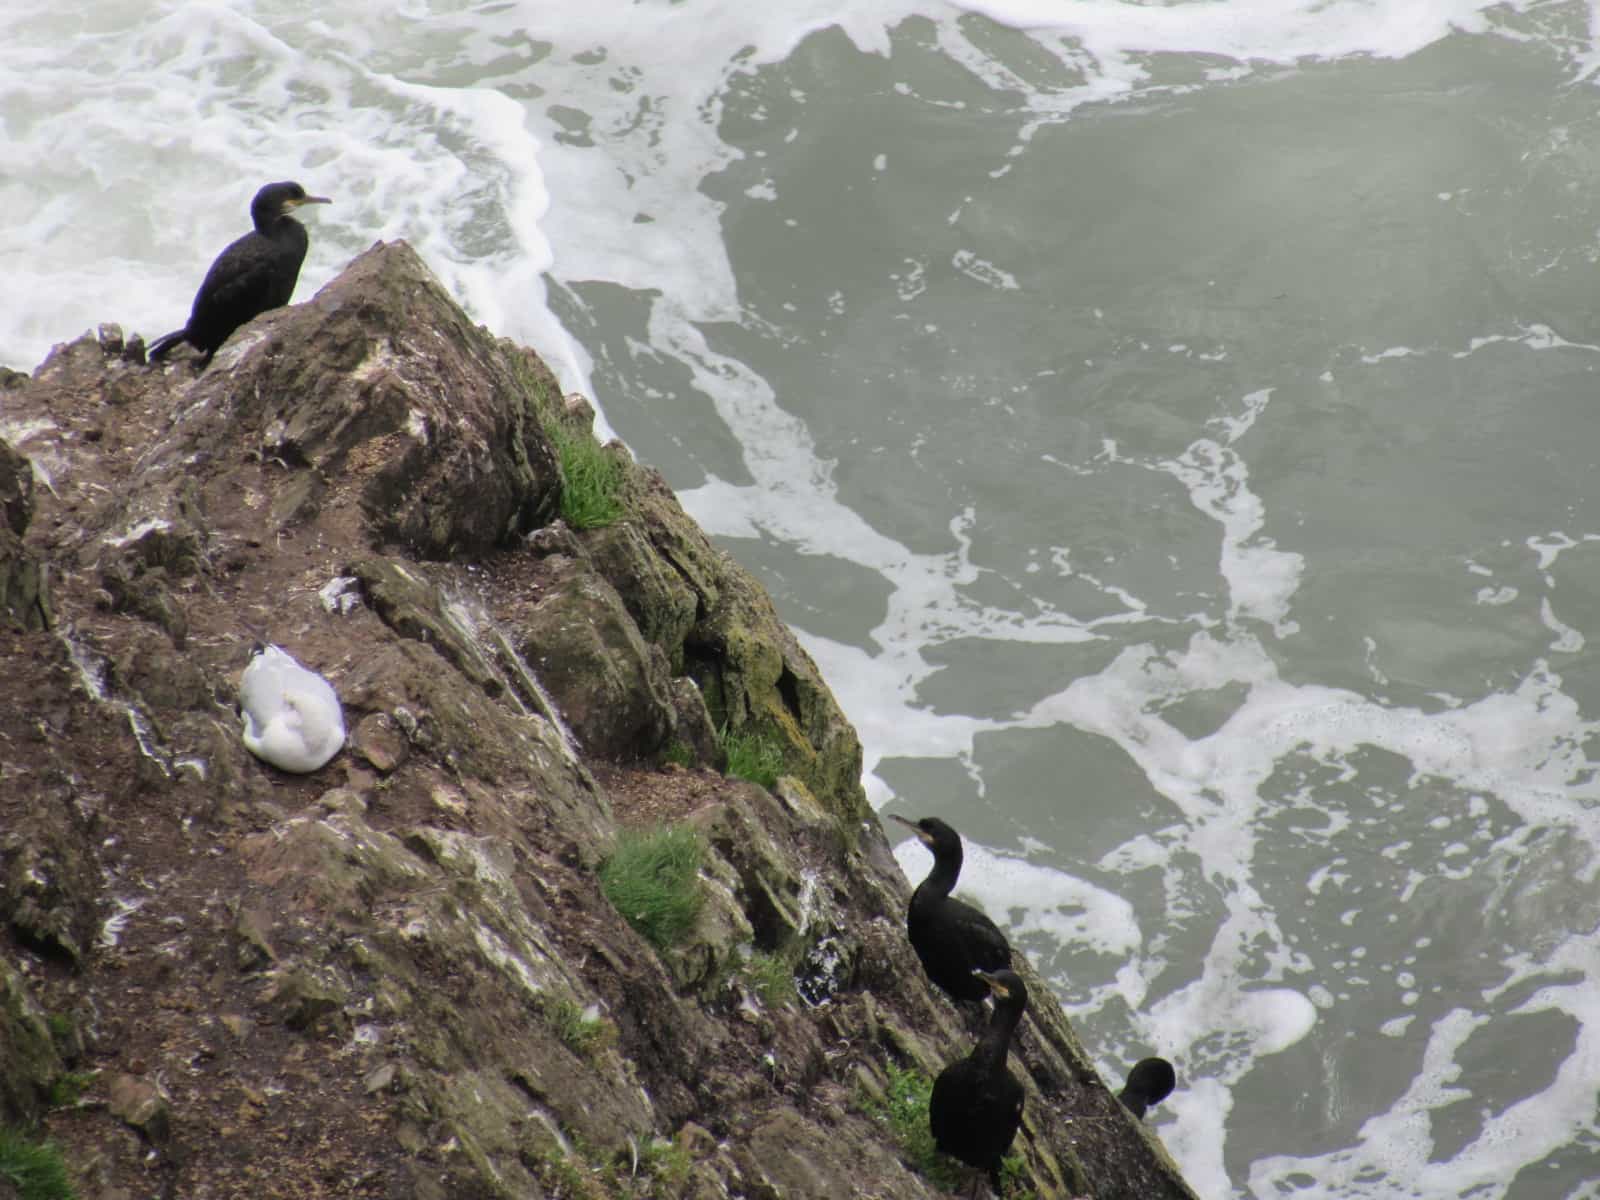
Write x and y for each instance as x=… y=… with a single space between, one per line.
x=789 y=689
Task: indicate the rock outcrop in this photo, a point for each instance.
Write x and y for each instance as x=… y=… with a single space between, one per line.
x=399 y=975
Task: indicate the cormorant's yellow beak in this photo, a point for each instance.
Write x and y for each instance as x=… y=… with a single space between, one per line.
x=922 y=835
x=995 y=986
x=307 y=200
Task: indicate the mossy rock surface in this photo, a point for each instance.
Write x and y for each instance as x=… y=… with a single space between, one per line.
x=24 y=588
x=659 y=599
x=16 y=489
x=27 y=1051
x=611 y=685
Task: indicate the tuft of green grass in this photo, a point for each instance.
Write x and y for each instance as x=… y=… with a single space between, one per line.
x=904 y=1109
x=594 y=479
x=664 y=1160
x=35 y=1169
x=771 y=977
x=68 y=1087
x=1013 y=1179
x=678 y=753
x=592 y=495
x=569 y=1178
x=588 y=1173
x=653 y=880
x=752 y=755
x=584 y=1034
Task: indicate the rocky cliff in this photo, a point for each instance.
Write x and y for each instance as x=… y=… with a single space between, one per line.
x=400 y=975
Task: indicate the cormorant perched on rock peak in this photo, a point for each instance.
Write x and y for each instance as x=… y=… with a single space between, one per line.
x=1150 y=1082
x=976 y=1105
x=952 y=938
x=255 y=273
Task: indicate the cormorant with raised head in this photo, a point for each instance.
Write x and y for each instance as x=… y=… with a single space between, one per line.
x=1150 y=1082
x=255 y=273
x=976 y=1105
x=952 y=938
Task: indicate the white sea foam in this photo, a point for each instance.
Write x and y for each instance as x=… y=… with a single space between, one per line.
x=1265 y=30
x=1395 y=1155
x=413 y=122
x=1520 y=745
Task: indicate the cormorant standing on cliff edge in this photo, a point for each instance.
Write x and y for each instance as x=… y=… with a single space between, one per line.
x=952 y=938
x=255 y=273
x=1150 y=1082
x=976 y=1105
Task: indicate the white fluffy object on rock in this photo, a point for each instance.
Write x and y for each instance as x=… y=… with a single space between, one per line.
x=292 y=717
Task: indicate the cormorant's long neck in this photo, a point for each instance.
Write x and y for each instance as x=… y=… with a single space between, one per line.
x=996 y=1039
x=941 y=881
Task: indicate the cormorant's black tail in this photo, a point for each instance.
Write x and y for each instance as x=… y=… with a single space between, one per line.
x=159 y=347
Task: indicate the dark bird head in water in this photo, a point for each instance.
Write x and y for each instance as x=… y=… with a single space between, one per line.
x=1150 y=1082
x=277 y=200
x=932 y=833
x=1005 y=986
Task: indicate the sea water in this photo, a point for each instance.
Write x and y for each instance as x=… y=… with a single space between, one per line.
x=1171 y=426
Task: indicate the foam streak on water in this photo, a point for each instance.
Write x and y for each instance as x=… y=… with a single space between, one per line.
x=1070 y=358
x=140 y=130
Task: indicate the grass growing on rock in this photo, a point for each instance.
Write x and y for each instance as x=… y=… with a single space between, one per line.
x=34 y=1169
x=666 y=1161
x=1013 y=1171
x=68 y=1088
x=653 y=880
x=584 y=1033
x=771 y=977
x=752 y=755
x=592 y=496
x=904 y=1109
x=655 y=1167
x=569 y=1175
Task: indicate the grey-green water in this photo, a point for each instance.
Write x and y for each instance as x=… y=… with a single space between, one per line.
x=1043 y=341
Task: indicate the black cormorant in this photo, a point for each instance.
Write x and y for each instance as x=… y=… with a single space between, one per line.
x=976 y=1105
x=1150 y=1082
x=255 y=273
x=952 y=938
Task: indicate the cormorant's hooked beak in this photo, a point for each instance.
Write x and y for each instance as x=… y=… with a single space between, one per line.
x=923 y=835
x=307 y=200
x=995 y=986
